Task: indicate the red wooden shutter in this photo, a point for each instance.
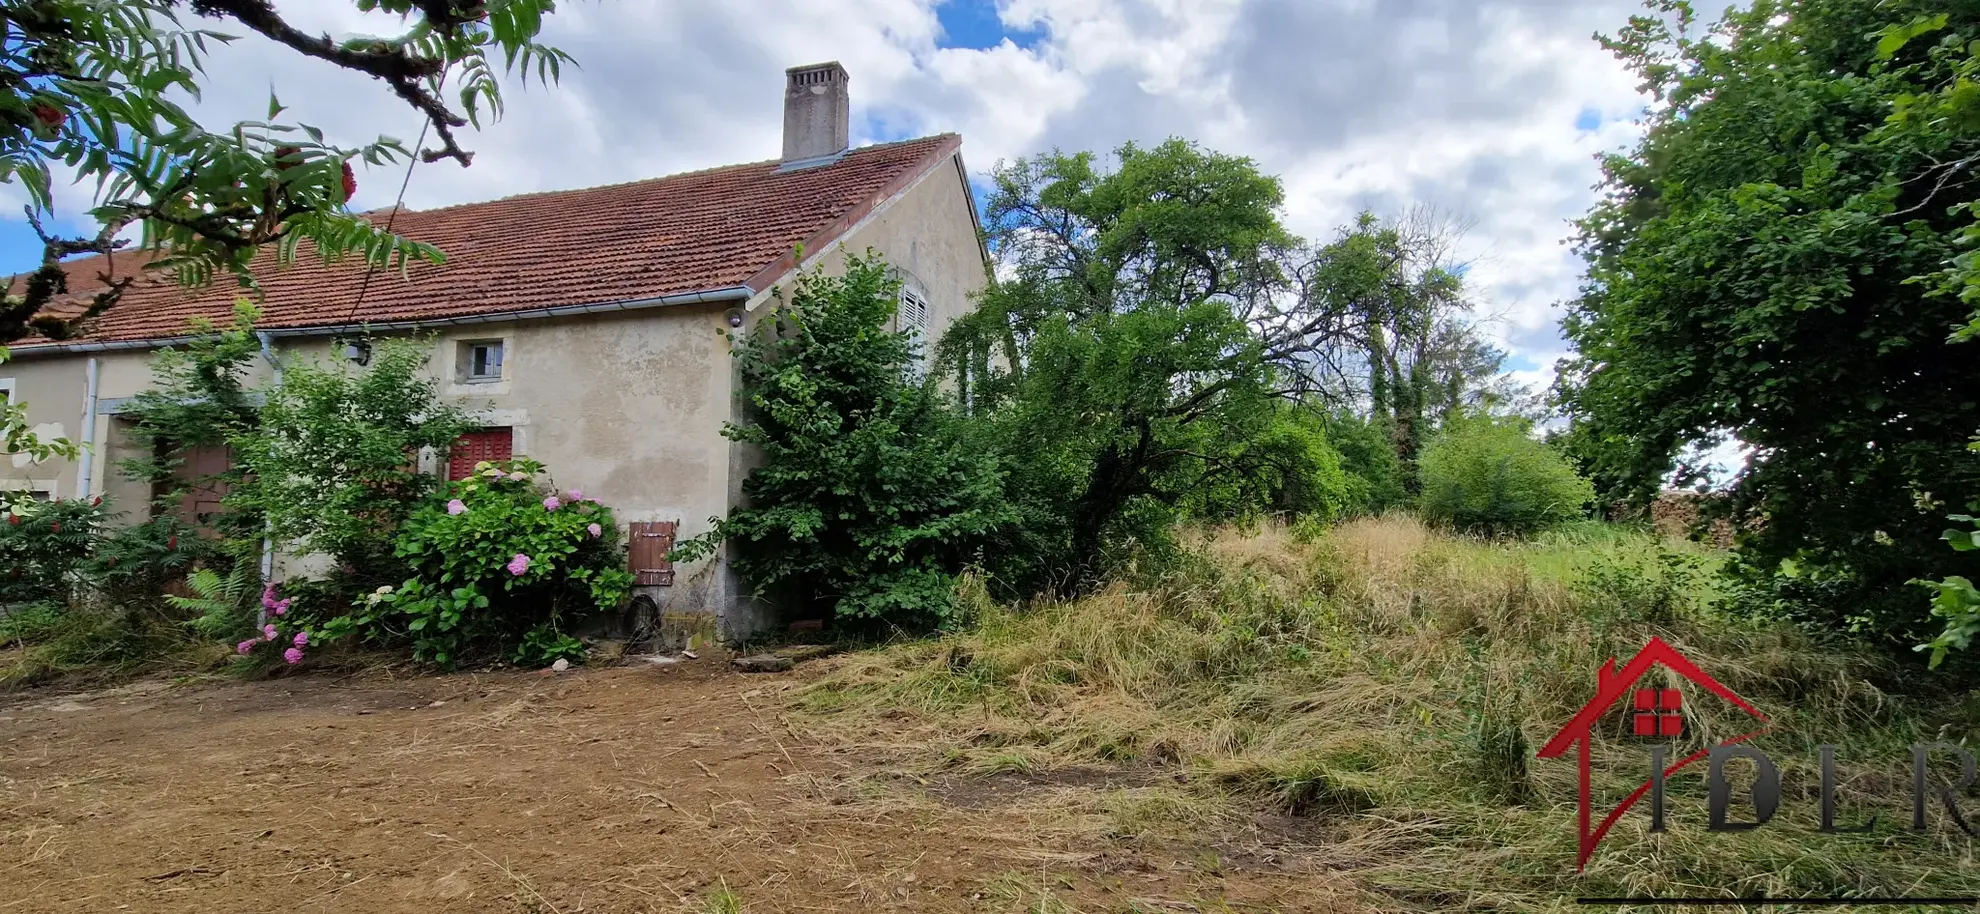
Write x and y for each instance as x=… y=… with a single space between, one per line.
x=490 y=444
x=646 y=551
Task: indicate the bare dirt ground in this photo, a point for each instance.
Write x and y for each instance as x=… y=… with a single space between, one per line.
x=630 y=789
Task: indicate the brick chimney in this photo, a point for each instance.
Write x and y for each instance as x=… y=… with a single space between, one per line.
x=817 y=112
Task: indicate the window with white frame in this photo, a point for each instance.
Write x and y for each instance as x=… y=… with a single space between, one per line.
x=481 y=360
x=914 y=320
x=6 y=390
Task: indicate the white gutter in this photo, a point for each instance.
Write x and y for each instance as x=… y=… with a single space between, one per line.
x=730 y=293
x=86 y=461
x=268 y=528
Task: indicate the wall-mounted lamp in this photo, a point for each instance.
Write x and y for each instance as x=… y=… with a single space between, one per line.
x=736 y=319
x=358 y=351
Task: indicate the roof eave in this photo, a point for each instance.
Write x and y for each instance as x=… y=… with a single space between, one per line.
x=727 y=293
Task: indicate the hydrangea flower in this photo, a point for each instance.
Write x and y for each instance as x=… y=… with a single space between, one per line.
x=244 y=646
x=456 y=507
x=519 y=564
x=492 y=472
x=518 y=476
x=596 y=530
x=293 y=656
x=552 y=503
x=577 y=495
x=281 y=607
x=301 y=639
x=268 y=632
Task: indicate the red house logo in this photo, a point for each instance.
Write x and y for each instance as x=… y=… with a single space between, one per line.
x=1653 y=713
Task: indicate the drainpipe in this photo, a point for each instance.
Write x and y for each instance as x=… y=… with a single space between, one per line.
x=268 y=534
x=86 y=462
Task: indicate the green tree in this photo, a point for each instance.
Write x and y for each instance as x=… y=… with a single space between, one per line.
x=1405 y=348
x=868 y=499
x=200 y=397
x=1769 y=265
x=1133 y=366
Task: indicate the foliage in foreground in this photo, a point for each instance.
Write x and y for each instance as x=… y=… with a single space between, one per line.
x=1381 y=689
x=1782 y=261
x=867 y=501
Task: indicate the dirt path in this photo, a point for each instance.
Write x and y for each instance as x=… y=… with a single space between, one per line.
x=631 y=789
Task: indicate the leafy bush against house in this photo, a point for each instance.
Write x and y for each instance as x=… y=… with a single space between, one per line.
x=868 y=500
x=42 y=545
x=334 y=459
x=499 y=561
x=1491 y=475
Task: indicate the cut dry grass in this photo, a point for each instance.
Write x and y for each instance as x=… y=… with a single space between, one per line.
x=1379 y=689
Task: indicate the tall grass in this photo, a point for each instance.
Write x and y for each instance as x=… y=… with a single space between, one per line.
x=1382 y=688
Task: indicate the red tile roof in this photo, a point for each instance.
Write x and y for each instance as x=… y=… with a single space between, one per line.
x=701 y=231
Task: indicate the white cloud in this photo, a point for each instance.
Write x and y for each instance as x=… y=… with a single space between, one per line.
x=1471 y=105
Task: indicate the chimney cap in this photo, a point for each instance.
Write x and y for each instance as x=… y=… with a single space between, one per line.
x=829 y=71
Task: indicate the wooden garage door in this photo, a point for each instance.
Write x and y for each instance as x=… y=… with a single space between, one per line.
x=491 y=444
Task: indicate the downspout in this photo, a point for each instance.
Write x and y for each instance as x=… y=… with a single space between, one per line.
x=268 y=533
x=86 y=462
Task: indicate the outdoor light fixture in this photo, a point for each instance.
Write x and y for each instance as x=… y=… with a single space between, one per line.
x=358 y=351
x=736 y=319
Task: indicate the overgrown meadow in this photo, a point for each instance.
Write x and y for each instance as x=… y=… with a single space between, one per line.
x=1369 y=698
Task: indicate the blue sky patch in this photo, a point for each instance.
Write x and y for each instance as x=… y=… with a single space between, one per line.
x=1588 y=121
x=974 y=24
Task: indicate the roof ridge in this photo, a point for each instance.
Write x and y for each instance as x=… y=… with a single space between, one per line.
x=714 y=169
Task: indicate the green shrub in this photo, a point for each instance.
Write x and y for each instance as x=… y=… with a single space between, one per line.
x=42 y=547
x=131 y=566
x=1488 y=475
x=499 y=561
x=868 y=499
x=330 y=463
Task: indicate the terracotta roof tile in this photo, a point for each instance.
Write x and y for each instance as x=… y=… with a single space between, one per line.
x=704 y=230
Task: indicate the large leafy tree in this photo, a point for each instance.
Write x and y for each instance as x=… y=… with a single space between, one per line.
x=1135 y=362
x=1778 y=261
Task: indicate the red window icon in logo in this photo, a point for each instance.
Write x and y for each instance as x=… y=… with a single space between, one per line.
x=1658 y=712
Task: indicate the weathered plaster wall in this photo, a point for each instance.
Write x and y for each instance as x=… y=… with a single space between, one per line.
x=627 y=407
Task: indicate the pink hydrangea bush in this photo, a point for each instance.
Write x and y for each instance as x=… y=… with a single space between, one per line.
x=501 y=560
x=271 y=633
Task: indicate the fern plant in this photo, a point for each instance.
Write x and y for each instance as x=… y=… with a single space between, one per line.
x=224 y=603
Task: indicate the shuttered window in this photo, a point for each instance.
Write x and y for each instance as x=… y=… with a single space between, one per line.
x=491 y=444
x=914 y=320
x=648 y=543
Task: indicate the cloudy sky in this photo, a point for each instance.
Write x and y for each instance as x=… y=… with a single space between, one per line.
x=1491 y=109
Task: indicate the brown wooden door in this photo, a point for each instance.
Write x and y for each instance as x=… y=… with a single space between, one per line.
x=196 y=471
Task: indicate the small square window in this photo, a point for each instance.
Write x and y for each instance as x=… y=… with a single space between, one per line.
x=482 y=361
